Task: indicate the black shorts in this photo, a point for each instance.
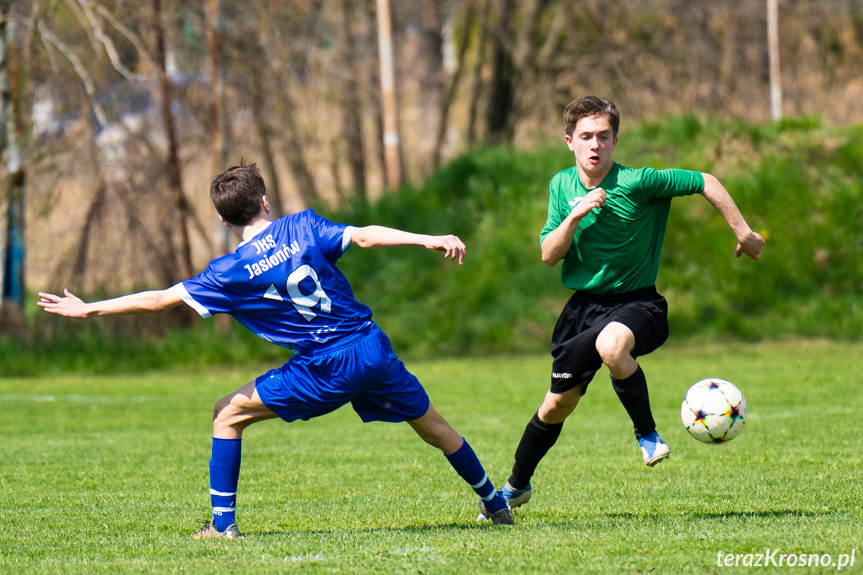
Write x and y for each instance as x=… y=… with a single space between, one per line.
x=573 y=343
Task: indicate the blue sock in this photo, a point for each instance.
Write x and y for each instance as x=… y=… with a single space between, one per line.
x=224 y=476
x=467 y=465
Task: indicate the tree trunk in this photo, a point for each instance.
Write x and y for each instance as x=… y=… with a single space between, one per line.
x=216 y=111
x=294 y=153
x=267 y=46
x=351 y=106
x=500 y=99
x=389 y=103
x=94 y=215
x=525 y=62
x=476 y=75
x=464 y=41
x=429 y=69
x=262 y=125
x=175 y=177
x=374 y=81
x=12 y=128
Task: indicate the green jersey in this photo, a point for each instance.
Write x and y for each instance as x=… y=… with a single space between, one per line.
x=616 y=248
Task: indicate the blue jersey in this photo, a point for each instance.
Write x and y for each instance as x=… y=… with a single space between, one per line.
x=283 y=285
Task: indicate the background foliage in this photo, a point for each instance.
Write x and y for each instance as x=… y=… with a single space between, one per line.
x=112 y=200
x=797 y=182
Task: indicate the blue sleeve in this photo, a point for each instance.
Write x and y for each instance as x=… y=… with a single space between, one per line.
x=205 y=294
x=333 y=239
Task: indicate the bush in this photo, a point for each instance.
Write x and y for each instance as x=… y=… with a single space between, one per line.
x=797 y=183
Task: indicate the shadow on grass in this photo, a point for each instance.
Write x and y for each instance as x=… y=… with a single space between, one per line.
x=533 y=521
x=722 y=514
x=406 y=530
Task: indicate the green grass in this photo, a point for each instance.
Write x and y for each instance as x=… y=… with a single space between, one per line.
x=106 y=473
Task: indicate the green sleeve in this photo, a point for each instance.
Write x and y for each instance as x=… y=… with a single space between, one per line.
x=671 y=183
x=555 y=217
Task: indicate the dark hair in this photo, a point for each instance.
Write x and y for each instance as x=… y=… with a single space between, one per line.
x=588 y=107
x=237 y=193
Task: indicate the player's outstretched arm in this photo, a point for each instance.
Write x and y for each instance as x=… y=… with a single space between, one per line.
x=70 y=305
x=383 y=237
x=749 y=241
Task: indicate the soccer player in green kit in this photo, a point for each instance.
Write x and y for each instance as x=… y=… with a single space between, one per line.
x=606 y=222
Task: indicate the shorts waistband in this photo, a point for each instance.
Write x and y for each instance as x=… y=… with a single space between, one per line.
x=346 y=341
x=638 y=294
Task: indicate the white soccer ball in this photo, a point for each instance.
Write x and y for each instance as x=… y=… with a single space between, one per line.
x=713 y=411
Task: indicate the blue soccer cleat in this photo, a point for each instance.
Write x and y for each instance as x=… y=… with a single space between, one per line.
x=515 y=497
x=653 y=449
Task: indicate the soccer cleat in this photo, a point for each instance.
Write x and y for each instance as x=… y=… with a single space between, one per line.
x=515 y=497
x=653 y=449
x=209 y=530
x=502 y=517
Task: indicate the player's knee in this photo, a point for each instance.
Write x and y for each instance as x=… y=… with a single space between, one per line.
x=227 y=415
x=220 y=407
x=556 y=409
x=611 y=349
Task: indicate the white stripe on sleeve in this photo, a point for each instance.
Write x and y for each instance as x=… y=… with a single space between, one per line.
x=346 y=238
x=181 y=291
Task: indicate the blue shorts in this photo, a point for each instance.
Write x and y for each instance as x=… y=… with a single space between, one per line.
x=364 y=372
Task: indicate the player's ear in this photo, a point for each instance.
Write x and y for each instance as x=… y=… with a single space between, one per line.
x=224 y=223
x=265 y=203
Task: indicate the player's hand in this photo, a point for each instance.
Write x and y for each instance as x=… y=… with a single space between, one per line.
x=452 y=247
x=69 y=306
x=594 y=199
x=751 y=245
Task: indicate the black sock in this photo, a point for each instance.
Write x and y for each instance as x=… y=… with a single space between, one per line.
x=632 y=393
x=537 y=439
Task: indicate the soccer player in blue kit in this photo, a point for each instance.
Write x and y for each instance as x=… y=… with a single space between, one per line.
x=282 y=283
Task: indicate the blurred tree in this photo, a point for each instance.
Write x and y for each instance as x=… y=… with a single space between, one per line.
x=219 y=130
x=284 y=64
x=264 y=130
x=467 y=24
x=95 y=211
x=476 y=75
x=175 y=175
x=351 y=103
x=12 y=139
x=500 y=96
x=392 y=140
x=302 y=97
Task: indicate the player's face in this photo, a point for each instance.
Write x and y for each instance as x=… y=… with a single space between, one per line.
x=593 y=142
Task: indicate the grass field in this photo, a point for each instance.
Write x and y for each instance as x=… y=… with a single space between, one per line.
x=106 y=474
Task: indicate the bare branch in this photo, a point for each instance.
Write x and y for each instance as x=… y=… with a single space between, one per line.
x=50 y=39
x=84 y=10
x=130 y=36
